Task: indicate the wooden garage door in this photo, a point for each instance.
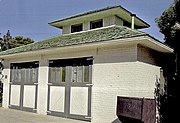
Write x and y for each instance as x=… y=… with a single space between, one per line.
x=23 y=86
x=69 y=88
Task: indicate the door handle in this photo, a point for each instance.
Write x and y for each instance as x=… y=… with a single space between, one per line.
x=89 y=84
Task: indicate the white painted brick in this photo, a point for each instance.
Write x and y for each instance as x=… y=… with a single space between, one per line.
x=116 y=72
x=120 y=79
x=145 y=55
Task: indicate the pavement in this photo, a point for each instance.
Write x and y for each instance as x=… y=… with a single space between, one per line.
x=17 y=116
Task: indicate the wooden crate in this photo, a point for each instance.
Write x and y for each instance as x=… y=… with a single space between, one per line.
x=142 y=109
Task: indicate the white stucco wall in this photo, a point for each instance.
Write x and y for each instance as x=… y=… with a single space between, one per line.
x=6 y=72
x=42 y=86
x=118 y=21
x=66 y=29
x=110 y=20
x=107 y=21
x=86 y=25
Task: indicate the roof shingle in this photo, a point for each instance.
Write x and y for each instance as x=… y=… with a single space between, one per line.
x=96 y=35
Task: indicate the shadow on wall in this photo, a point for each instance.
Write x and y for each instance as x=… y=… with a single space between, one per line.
x=116 y=121
x=126 y=120
x=1 y=92
x=1 y=76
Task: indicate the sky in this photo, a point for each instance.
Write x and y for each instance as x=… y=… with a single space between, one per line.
x=30 y=18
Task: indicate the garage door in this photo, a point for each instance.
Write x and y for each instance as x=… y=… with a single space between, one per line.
x=23 y=86
x=69 y=88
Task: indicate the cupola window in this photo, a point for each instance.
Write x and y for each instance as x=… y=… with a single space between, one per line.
x=96 y=24
x=76 y=28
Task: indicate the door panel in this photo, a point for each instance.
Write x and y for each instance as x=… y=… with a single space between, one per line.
x=15 y=95
x=57 y=96
x=79 y=101
x=29 y=96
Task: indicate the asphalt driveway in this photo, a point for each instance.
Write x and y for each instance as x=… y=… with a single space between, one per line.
x=16 y=116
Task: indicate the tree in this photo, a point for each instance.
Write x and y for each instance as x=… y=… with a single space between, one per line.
x=169 y=25
x=8 y=42
x=19 y=41
x=165 y=24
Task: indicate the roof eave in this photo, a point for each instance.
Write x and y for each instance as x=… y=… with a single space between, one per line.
x=115 y=10
x=155 y=44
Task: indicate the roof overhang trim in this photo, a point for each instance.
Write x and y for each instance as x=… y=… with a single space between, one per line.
x=105 y=12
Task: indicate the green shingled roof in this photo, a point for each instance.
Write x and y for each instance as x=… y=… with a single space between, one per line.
x=97 y=35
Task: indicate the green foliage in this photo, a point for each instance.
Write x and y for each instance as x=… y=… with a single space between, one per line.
x=169 y=24
x=177 y=10
x=5 y=41
x=19 y=41
x=8 y=42
x=166 y=23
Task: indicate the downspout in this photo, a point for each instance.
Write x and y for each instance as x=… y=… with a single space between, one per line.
x=1 y=76
x=1 y=68
x=132 y=20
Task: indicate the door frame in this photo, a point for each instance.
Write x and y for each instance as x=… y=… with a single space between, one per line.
x=68 y=85
x=22 y=84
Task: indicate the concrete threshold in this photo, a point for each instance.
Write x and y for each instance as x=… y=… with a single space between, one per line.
x=17 y=116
